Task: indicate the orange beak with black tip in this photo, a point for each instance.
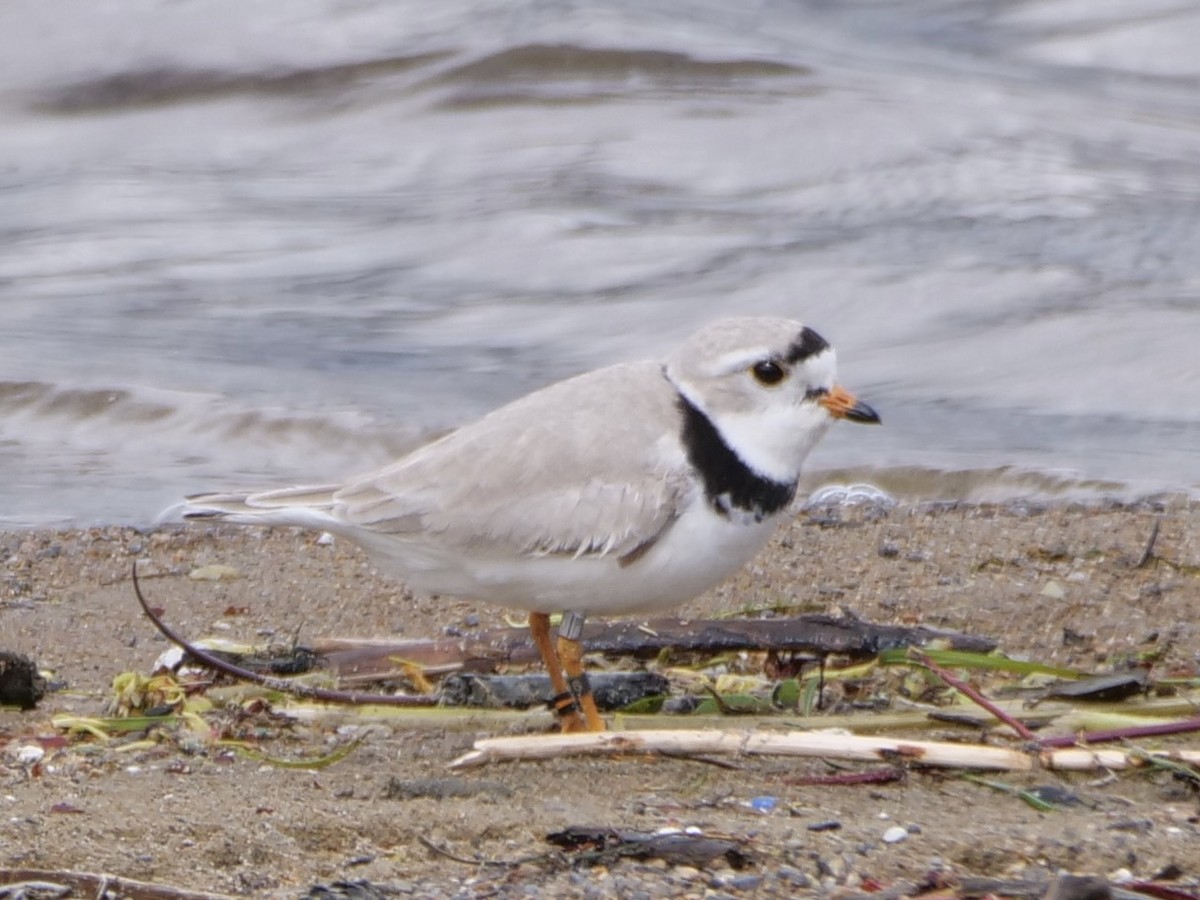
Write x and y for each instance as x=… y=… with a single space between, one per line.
x=844 y=405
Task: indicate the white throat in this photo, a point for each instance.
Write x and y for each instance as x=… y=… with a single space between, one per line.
x=774 y=442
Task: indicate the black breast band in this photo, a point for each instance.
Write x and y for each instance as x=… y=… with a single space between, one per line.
x=728 y=482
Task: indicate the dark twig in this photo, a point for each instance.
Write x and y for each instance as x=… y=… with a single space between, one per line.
x=725 y=708
x=706 y=760
x=1148 y=553
x=465 y=860
x=722 y=707
x=307 y=692
x=871 y=776
x=970 y=693
x=503 y=863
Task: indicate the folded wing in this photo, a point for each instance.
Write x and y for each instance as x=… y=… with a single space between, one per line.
x=587 y=467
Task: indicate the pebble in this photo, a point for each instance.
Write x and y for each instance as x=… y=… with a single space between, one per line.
x=168 y=661
x=793 y=876
x=1135 y=826
x=895 y=834
x=214 y=572
x=1053 y=590
x=633 y=888
x=30 y=754
x=827 y=825
x=748 y=882
x=834 y=868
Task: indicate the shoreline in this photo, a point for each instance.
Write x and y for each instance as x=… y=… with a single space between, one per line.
x=904 y=486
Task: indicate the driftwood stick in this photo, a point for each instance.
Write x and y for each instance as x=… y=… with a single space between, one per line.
x=766 y=743
x=826 y=745
x=1083 y=759
x=488 y=650
x=95 y=884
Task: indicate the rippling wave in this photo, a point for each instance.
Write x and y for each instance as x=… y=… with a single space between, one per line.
x=268 y=243
x=121 y=455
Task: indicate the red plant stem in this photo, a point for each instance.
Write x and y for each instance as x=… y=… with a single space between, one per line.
x=959 y=685
x=1120 y=734
x=1160 y=890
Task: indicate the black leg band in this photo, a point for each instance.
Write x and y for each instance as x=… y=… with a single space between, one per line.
x=563 y=705
x=579 y=685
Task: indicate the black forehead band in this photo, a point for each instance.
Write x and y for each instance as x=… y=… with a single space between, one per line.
x=807 y=344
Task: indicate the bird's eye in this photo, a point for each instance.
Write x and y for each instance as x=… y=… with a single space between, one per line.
x=768 y=372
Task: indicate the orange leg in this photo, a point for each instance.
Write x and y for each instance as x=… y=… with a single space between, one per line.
x=564 y=704
x=570 y=651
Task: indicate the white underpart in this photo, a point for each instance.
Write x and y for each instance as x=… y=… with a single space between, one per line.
x=700 y=550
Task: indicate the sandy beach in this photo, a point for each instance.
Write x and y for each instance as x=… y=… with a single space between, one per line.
x=1056 y=584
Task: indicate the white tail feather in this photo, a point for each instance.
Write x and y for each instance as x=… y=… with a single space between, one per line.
x=305 y=507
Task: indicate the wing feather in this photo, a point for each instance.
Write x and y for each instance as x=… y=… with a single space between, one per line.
x=586 y=467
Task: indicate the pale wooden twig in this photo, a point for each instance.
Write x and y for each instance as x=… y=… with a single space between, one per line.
x=820 y=743
x=1083 y=759
x=828 y=745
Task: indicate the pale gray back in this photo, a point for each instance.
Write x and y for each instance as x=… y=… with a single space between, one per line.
x=583 y=467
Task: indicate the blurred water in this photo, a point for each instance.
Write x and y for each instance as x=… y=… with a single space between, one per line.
x=264 y=243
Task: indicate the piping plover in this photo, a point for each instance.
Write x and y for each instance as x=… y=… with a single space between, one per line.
x=626 y=489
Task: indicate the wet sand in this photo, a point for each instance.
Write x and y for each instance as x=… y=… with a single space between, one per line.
x=1060 y=585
